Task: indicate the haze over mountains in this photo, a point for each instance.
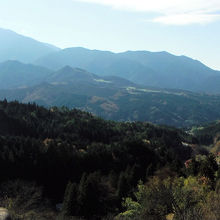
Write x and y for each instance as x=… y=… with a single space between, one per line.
x=14 y=46
x=14 y=74
x=109 y=97
x=134 y=85
x=157 y=69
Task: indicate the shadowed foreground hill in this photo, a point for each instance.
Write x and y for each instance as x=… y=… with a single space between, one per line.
x=57 y=157
x=52 y=147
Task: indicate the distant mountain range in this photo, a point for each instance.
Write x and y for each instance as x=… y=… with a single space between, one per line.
x=17 y=75
x=14 y=46
x=129 y=86
x=157 y=69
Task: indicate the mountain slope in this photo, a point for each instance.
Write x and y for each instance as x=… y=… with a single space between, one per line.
x=173 y=71
x=68 y=75
x=158 y=69
x=110 y=97
x=14 y=46
x=14 y=74
x=176 y=108
x=103 y=63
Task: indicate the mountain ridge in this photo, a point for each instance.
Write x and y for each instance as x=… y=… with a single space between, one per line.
x=15 y=46
x=110 y=97
x=14 y=74
x=157 y=69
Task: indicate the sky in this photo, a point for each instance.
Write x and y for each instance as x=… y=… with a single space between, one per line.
x=181 y=27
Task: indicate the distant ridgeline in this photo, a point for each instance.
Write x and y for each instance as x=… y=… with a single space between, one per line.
x=154 y=69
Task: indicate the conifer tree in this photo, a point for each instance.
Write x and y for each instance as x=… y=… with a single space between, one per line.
x=89 y=197
x=70 y=200
x=122 y=188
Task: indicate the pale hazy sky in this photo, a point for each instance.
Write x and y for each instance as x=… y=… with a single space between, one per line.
x=182 y=27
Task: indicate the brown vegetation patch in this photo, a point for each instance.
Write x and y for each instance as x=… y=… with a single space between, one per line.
x=96 y=99
x=109 y=107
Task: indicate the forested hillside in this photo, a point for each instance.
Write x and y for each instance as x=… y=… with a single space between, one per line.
x=115 y=100
x=97 y=163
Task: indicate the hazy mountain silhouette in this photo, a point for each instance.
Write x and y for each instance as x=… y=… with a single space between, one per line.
x=158 y=69
x=15 y=74
x=14 y=46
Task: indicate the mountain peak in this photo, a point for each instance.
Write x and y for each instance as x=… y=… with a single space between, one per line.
x=11 y=62
x=66 y=68
x=18 y=47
